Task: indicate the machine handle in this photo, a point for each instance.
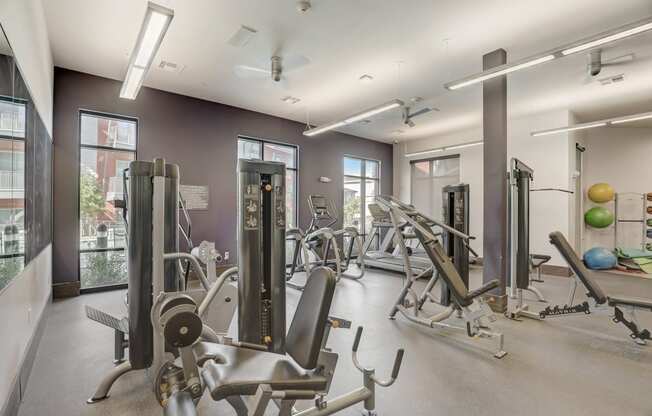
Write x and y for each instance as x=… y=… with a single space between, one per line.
x=358 y=335
x=397 y=363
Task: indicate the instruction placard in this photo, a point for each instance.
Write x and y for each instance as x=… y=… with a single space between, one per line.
x=195 y=196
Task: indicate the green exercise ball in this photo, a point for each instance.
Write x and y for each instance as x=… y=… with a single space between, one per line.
x=601 y=192
x=599 y=217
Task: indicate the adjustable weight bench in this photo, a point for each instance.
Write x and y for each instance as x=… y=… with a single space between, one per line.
x=622 y=305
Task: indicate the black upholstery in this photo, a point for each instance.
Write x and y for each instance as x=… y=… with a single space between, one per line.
x=537 y=260
x=449 y=273
x=236 y=371
x=558 y=240
x=306 y=333
x=635 y=302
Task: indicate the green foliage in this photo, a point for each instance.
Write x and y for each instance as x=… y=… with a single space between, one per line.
x=91 y=199
x=9 y=268
x=103 y=268
x=352 y=211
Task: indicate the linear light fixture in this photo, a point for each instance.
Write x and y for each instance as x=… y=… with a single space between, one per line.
x=594 y=124
x=355 y=118
x=589 y=43
x=156 y=23
x=444 y=149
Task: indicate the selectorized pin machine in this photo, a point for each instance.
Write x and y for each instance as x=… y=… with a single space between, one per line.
x=455 y=199
x=261 y=253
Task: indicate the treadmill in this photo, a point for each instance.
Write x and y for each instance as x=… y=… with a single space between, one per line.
x=388 y=256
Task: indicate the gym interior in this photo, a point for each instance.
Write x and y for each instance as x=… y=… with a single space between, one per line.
x=312 y=207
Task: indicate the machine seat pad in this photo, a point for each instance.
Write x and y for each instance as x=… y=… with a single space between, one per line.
x=483 y=289
x=239 y=371
x=537 y=260
x=635 y=302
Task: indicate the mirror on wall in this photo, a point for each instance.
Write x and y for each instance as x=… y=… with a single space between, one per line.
x=25 y=172
x=13 y=109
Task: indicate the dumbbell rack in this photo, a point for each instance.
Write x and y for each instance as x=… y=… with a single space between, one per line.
x=618 y=221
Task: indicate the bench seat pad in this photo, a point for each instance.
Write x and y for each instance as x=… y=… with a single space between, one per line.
x=635 y=302
x=235 y=371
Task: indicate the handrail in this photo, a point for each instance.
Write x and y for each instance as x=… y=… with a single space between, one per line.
x=406 y=211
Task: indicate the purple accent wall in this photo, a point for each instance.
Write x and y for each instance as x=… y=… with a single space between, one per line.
x=200 y=136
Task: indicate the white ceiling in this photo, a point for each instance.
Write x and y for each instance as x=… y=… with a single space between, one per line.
x=410 y=47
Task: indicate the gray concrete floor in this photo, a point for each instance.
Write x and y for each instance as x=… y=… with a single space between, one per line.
x=580 y=365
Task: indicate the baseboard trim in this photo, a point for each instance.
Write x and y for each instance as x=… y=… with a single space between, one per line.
x=19 y=384
x=66 y=290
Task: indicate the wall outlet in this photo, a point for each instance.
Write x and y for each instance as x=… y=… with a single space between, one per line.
x=226 y=256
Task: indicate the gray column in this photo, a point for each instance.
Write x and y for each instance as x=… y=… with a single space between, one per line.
x=494 y=102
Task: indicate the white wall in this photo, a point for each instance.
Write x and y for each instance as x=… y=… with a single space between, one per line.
x=24 y=24
x=549 y=156
x=25 y=299
x=21 y=304
x=621 y=157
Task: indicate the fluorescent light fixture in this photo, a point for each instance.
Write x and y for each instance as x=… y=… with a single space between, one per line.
x=463 y=146
x=321 y=129
x=629 y=119
x=592 y=42
x=594 y=124
x=610 y=36
x=498 y=71
x=374 y=111
x=444 y=149
x=355 y=118
x=155 y=25
x=570 y=128
x=424 y=152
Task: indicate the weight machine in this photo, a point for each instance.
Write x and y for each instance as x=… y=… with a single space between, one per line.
x=266 y=365
x=155 y=276
x=464 y=305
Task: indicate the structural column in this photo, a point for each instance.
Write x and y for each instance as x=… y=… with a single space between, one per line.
x=494 y=107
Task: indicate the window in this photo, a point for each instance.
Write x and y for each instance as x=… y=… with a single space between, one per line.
x=108 y=144
x=276 y=152
x=361 y=185
x=428 y=178
x=12 y=188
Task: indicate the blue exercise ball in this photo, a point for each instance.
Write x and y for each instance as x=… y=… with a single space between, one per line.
x=600 y=258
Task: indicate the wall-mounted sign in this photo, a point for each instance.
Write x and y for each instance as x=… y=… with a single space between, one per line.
x=195 y=196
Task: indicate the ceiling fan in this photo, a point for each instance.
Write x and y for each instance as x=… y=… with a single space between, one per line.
x=408 y=115
x=274 y=69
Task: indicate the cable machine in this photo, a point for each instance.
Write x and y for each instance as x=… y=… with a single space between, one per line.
x=455 y=199
x=261 y=253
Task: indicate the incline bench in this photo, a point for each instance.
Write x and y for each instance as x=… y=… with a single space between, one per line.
x=621 y=305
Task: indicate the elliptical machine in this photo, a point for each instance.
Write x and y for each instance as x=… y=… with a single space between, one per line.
x=319 y=246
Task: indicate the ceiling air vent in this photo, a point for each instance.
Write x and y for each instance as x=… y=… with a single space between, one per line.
x=612 y=80
x=242 y=36
x=168 y=66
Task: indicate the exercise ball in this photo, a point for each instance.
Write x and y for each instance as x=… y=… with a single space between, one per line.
x=649 y=222
x=648 y=233
x=599 y=217
x=601 y=192
x=600 y=258
x=649 y=196
x=649 y=210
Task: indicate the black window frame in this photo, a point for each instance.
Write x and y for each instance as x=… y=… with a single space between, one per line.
x=81 y=146
x=363 y=186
